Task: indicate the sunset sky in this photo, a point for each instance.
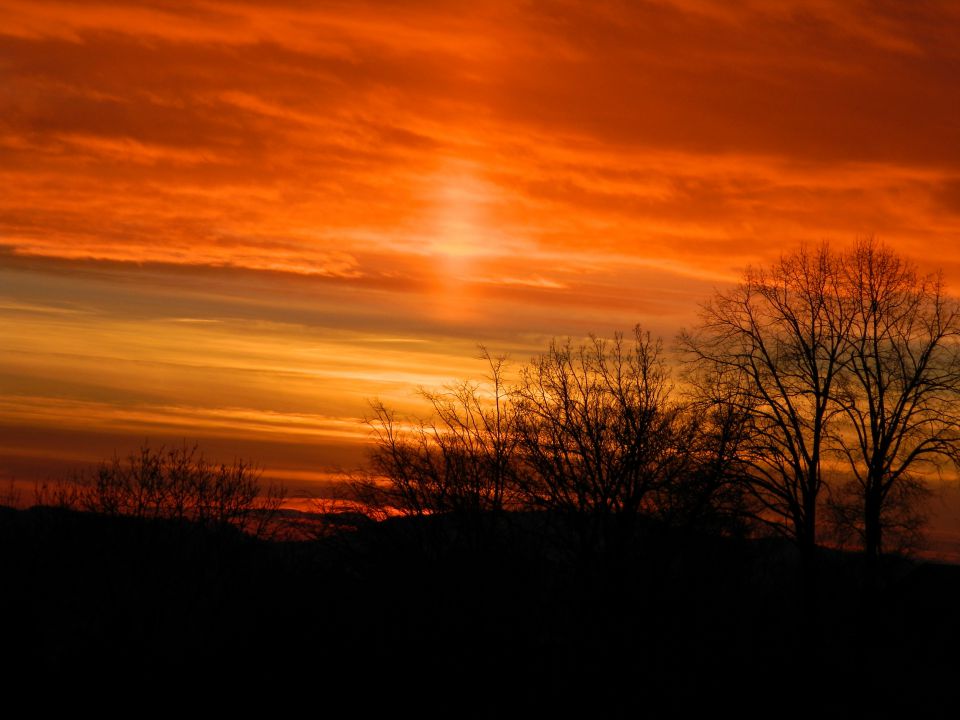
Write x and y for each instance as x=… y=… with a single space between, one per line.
x=236 y=222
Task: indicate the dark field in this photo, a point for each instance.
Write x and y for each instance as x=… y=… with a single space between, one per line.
x=507 y=619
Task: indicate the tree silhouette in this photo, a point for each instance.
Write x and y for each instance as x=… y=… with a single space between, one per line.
x=460 y=460
x=592 y=434
x=771 y=350
x=600 y=437
x=173 y=484
x=713 y=494
x=824 y=355
x=900 y=387
x=822 y=360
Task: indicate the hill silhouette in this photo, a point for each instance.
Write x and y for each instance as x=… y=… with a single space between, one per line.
x=422 y=613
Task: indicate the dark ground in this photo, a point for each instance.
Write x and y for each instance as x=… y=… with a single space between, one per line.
x=418 y=615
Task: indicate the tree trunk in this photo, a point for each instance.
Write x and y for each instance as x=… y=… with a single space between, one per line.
x=872 y=536
x=808 y=557
x=809 y=539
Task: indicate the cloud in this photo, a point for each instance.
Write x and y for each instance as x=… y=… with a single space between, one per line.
x=304 y=183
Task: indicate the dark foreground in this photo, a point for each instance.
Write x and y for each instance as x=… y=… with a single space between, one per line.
x=507 y=622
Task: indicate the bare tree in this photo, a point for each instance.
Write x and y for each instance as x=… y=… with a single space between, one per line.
x=590 y=433
x=598 y=432
x=715 y=492
x=460 y=460
x=900 y=388
x=773 y=347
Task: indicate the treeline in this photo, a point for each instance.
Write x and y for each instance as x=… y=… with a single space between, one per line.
x=594 y=433
x=175 y=484
x=821 y=391
x=827 y=382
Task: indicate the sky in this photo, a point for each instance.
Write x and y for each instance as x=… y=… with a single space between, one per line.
x=236 y=223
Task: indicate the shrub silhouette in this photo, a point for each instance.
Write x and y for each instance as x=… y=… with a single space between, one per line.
x=173 y=484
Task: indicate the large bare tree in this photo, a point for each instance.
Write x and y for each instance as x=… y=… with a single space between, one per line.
x=900 y=392
x=772 y=349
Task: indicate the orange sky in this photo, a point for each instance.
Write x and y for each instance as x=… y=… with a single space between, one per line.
x=237 y=221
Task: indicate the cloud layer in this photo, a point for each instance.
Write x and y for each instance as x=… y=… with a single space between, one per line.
x=241 y=219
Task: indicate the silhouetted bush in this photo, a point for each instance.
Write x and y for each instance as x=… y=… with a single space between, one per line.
x=172 y=484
